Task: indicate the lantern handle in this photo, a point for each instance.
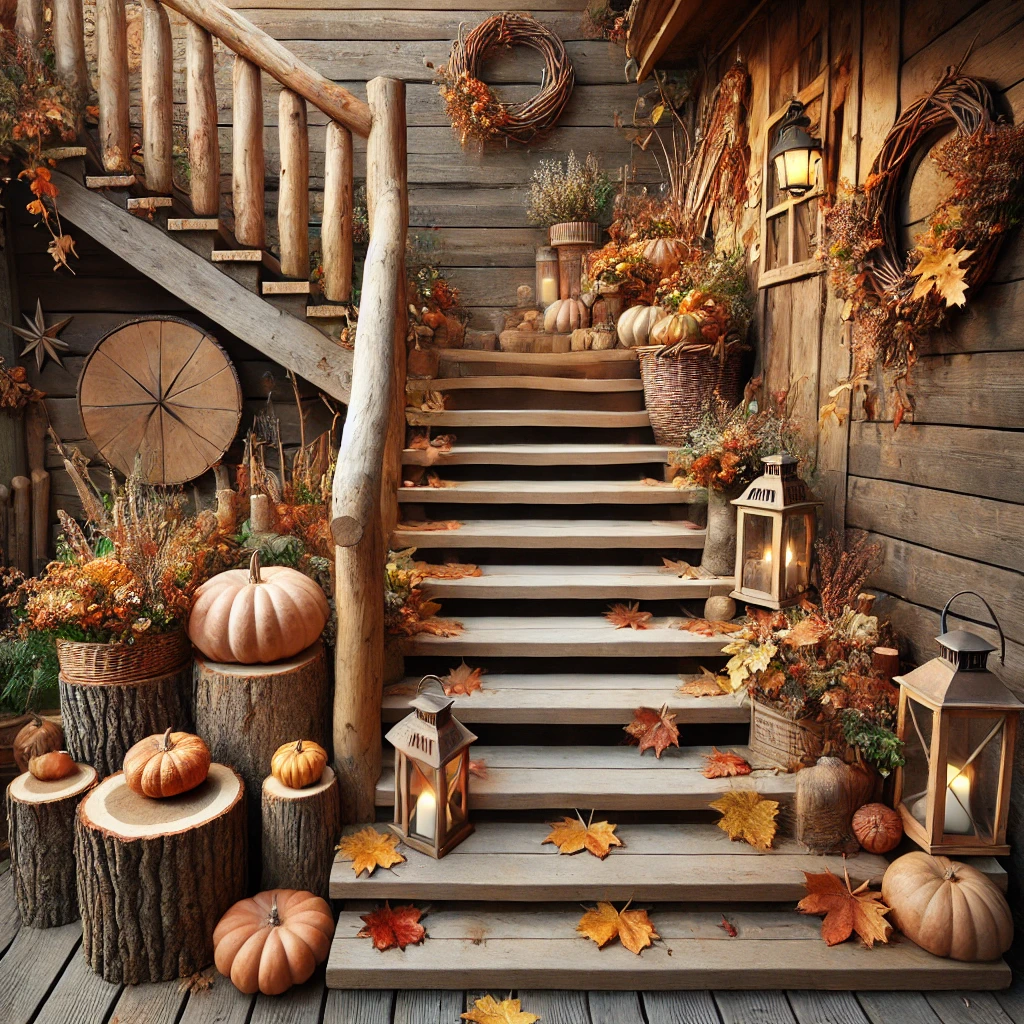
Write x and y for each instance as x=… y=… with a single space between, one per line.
x=974 y=593
x=425 y=682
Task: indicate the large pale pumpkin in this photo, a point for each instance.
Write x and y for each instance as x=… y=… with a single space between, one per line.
x=257 y=615
x=665 y=253
x=564 y=316
x=947 y=908
x=273 y=940
x=162 y=766
x=634 y=326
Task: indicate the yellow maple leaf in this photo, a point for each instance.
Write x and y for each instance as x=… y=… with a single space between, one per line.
x=571 y=835
x=707 y=684
x=369 y=849
x=604 y=923
x=748 y=816
x=488 y=1010
x=943 y=272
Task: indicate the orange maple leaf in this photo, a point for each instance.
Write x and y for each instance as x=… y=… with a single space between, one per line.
x=633 y=928
x=846 y=910
x=709 y=627
x=369 y=849
x=683 y=570
x=462 y=681
x=449 y=571
x=707 y=684
x=623 y=615
x=720 y=764
x=478 y=768
x=571 y=835
x=389 y=928
x=655 y=729
x=433 y=480
x=430 y=526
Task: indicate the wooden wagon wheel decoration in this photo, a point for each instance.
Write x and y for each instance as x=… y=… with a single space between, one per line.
x=161 y=396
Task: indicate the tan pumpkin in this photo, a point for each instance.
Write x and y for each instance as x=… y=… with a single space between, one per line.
x=273 y=940
x=563 y=316
x=634 y=326
x=39 y=736
x=665 y=253
x=878 y=828
x=676 y=328
x=257 y=615
x=947 y=908
x=299 y=763
x=163 y=766
x=56 y=764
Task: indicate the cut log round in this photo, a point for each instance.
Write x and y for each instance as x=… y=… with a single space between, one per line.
x=162 y=393
x=103 y=720
x=155 y=876
x=42 y=832
x=300 y=829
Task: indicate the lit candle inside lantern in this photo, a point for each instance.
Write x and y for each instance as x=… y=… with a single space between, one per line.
x=426 y=814
x=548 y=290
x=789 y=555
x=957 y=819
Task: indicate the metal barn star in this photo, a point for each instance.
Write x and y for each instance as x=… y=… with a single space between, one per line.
x=42 y=340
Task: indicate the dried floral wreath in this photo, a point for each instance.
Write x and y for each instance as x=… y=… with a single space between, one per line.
x=896 y=298
x=474 y=109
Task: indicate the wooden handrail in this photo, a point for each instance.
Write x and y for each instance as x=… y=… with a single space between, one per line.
x=243 y=37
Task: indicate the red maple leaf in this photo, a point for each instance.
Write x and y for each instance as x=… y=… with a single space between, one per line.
x=655 y=729
x=389 y=928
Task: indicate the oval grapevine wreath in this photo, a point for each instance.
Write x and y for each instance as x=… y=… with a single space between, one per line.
x=475 y=111
x=894 y=297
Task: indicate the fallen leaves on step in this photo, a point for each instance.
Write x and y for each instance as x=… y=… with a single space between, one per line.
x=423 y=442
x=707 y=684
x=728 y=927
x=419 y=615
x=622 y=616
x=846 y=910
x=449 y=571
x=633 y=928
x=655 y=729
x=433 y=480
x=430 y=526
x=748 y=816
x=389 y=928
x=571 y=835
x=369 y=849
x=721 y=764
x=427 y=401
x=650 y=481
x=488 y=1010
x=462 y=681
x=683 y=570
x=710 y=627
x=201 y=982
x=478 y=769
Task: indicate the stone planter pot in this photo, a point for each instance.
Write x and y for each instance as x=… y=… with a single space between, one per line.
x=719 y=558
x=573 y=240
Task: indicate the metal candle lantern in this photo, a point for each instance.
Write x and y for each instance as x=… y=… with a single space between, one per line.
x=797 y=156
x=958 y=724
x=547 y=275
x=431 y=774
x=775 y=528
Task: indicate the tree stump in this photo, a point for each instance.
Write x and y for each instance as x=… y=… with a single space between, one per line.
x=245 y=712
x=102 y=720
x=155 y=876
x=42 y=831
x=300 y=829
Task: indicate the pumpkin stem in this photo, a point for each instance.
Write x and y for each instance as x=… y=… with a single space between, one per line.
x=298 y=747
x=950 y=874
x=254 y=568
x=274 y=918
x=36 y=720
x=165 y=743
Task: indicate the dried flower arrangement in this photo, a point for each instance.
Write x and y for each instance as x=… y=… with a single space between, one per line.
x=407 y=610
x=714 y=286
x=15 y=390
x=624 y=266
x=565 y=193
x=894 y=298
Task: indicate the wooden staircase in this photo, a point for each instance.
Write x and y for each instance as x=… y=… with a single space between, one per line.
x=546 y=477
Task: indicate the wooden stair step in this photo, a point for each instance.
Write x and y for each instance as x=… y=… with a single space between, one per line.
x=606 y=778
x=529 y=382
x=237 y=256
x=471 y=363
x=538 y=455
x=577 y=582
x=327 y=312
x=150 y=203
x=565 y=636
x=193 y=224
x=573 y=698
x=59 y=153
x=497 y=947
x=109 y=180
x=288 y=288
x=551 y=492
x=527 y=418
x=555 y=533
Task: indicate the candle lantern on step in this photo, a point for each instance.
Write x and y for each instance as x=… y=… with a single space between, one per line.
x=547 y=276
x=958 y=724
x=431 y=773
x=775 y=529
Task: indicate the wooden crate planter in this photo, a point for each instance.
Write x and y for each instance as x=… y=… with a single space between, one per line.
x=781 y=739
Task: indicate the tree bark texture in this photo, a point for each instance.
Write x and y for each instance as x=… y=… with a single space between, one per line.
x=102 y=720
x=300 y=830
x=155 y=876
x=719 y=556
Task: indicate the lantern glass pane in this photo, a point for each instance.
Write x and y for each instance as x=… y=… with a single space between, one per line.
x=457 y=810
x=798 y=169
x=757 y=553
x=780 y=172
x=422 y=801
x=973 y=753
x=917 y=751
x=797 y=542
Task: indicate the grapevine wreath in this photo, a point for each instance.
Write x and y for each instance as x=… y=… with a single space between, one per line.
x=894 y=297
x=475 y=111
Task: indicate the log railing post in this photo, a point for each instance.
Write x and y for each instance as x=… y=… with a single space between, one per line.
x=157 y=97
x=336 y=229
x=356 y=524
x=247 y=165
x=293 y=197
x=69 y=46
x=112 y=60
x=28 y=20
x=203 y=144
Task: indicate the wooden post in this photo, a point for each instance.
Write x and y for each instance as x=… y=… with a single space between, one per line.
x=112 y=59
x=6 y=554
x=28 y=21
x=293 y=198
x=336 y=229
x=21 y=524
x=247 y=170
x=69 y=46
x=157 y=98
x=203 y=145
x=356 y=516
x=40 y=519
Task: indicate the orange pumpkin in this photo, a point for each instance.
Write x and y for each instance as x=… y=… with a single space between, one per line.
x=273 y=940
x=257 y=615
x=433 y=319
x=39 y=736
x=878 y=828
x=162 y=766
x=56 y=764
x=299 y=763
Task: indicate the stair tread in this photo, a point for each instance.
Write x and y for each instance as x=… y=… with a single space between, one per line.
x=527 y=418
x=506 y=946
x=555 y=533
x=568 y=492
x=606 y=778
x=528 y=381
x=237 y=256
x=537 y=455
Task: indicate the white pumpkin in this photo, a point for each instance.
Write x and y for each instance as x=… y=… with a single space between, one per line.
x=564 y=316
x=635 y=324
x=665 y=253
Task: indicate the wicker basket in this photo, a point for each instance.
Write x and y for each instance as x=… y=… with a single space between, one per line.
x=782 y=740
x=145 y=658
x=677 y=387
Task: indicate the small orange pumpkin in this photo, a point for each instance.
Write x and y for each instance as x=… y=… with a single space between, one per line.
x=56 y=764
x=162 y=766
x=878 y=828
x=39 y=736
x=299 y=763
x=433 y=319
x=273 y=940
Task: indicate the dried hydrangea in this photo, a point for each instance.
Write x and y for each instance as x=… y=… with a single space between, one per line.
x=573 y=191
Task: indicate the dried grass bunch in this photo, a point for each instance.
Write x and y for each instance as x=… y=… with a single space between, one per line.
x=573 y=191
